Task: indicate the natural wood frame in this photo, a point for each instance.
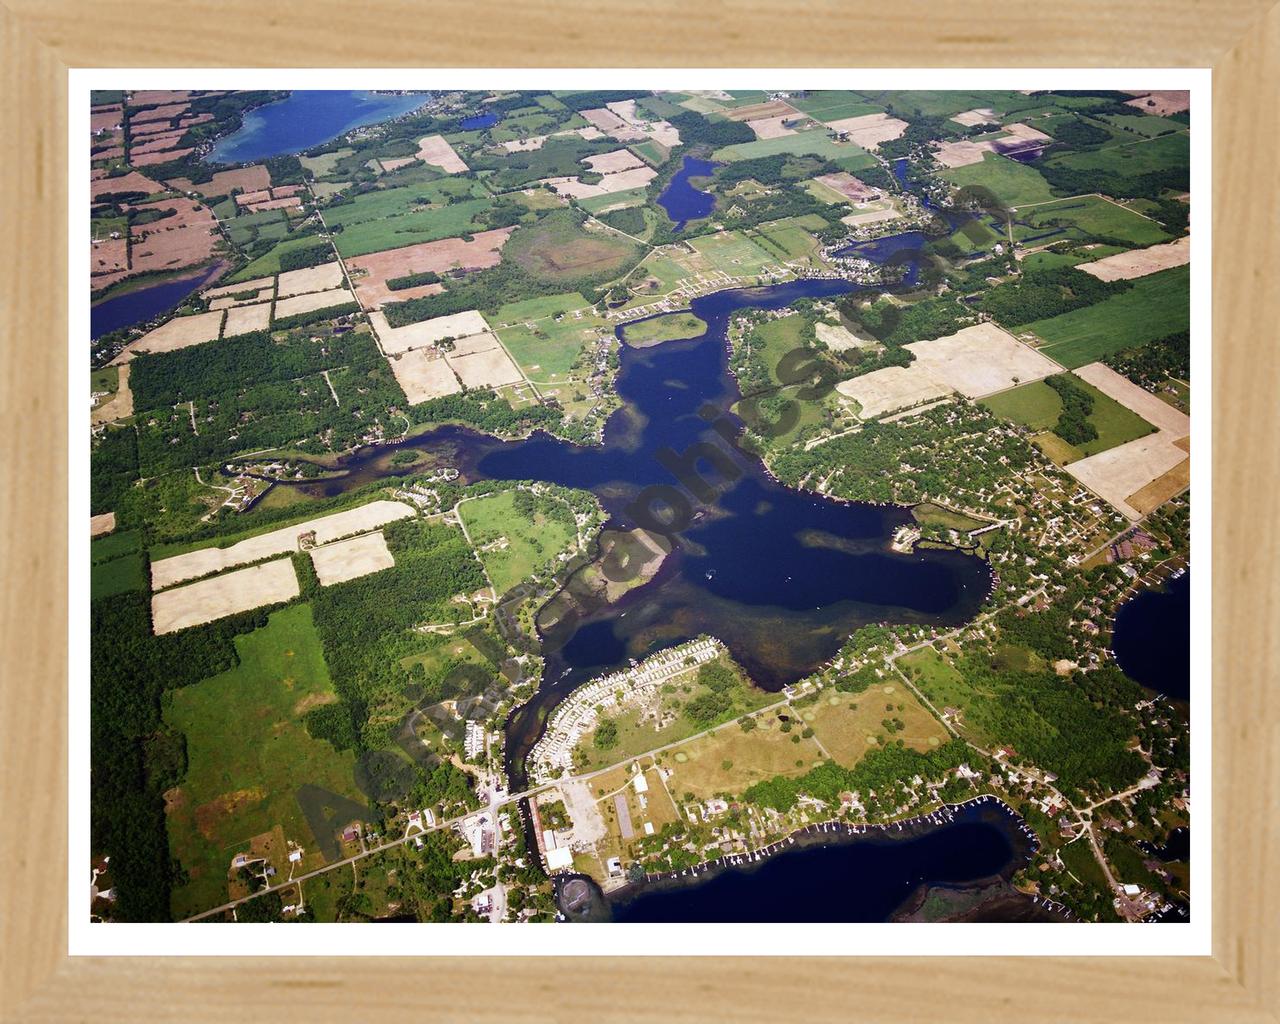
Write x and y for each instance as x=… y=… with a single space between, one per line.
x=39 y=40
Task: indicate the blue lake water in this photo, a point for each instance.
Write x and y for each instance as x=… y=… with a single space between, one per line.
x=305 y=119
x=139 y=306
x=1152 y=638
x=478 y=121
x=681 y=200
x=863 y=880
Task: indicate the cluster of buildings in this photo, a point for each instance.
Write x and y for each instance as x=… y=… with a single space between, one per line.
x=553 y=754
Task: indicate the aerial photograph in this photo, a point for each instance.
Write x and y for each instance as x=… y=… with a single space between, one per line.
x=625 y=505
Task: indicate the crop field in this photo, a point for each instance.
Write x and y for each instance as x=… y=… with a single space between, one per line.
x=1088 y=216
x=490 y=367
x=370 y=273
x=269 y=263
x=979 y=360
x=248 y=751
x=733 y=253
x=819 y=143
x=1013 y=184
x=547 y=351
x=219 y=596
x=1145 y=125
x=352 y=558
x=539 y=308
x=1037 y=407
x=558 y=251
x=834 y=104
x=788 y=237
x=1126 y=266
x=1156 y=305
x=847 y=725
x=614 y=200
x=180 y=332
x=512 y=545
x=420 y=224
x=1138 y=157
x=422 y=374
x=117 y=575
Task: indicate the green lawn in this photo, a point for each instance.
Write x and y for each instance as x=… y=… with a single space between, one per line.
x=511 y=545
x=1089 y=216
x=818 y=142
x=248 y=752
x=1156 y=305
x=673 y=326
x=1012 y=183
x=547 y=351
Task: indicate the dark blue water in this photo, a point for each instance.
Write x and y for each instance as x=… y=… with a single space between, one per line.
x=681 y=200
x=861 y=881
x=1152 y=638
x=139 y=306
x=478 y=121
x=307 y=118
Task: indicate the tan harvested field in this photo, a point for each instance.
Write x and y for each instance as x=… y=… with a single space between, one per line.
x=618 y=160
x=155 y=143
x=837 y=338
x=394 y=163
x=434 y=150
x=965 y=152
x=180 y=332
x=849 y=725
x=243 y=319
x=228 y=302
x=1156 y=412
x=1166 y=102
x=105 y=523
x=423 y=374
x=283 y=203
x=771 y=127
x=110 y=256
x=224 y=595
x=1161 y=489
x=312 y=301
x=491 y=368
x=349 y=559
x=1124 y=266
x=160 y=158
x=756 y=111
x=144 y=97
x=244 y=286
x=184 y=238
x=158 y=113
x=959 y=154
x=1128 y=469
x=889 y=212
x=105 y=117
x=119 y=405
x=869 y=130
x=575 y=188
x=165 y=572
x=537 y=141
x=473 y=343
x=979 y=115
x=309 y=279
x=141 y=131
x=894 y=387
x=131 y=182
x=369 y=273
x=980 y=360
x=848 y=186
x=248 y=179
x=606 y=120
x=427 y=332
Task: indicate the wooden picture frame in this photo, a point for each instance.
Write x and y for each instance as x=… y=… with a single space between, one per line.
x=1239 y=40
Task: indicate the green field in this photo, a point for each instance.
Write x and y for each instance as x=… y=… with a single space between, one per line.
x=547 y=351
x=945 y=103
x=671 y=327
x=629 y=197
x=1156 y=305
x=268 y=264
x=1037 y=407
x=834 y=105
x=395 y=217
x=559 y=251
x=791 y=237
x=1146 y=125
x=1089 y=216
x=128 y=572
x=248 y=752
x=113 y=545
x=510 y=544
x=734 y=253
x=1073 y=257
x=1131 y=158
x=818 y=142
x=536 y=309
x=1012 y=183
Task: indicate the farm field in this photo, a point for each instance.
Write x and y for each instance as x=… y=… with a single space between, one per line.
x=817 y=142
x=1156 y=305
x=1037 y=407
x=216 y=597
x=733 y=253
x=512 y=544
x=1133 y=158
x=560 y=252
x=548 y=351
x=1086 y=216
x=1013 y=184
x=248 y=751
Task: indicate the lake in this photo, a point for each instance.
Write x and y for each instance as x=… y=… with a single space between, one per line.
x=681 y=200
x=848 y=878
x=308 y=118
x=142 y=304
x=1151 y=639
